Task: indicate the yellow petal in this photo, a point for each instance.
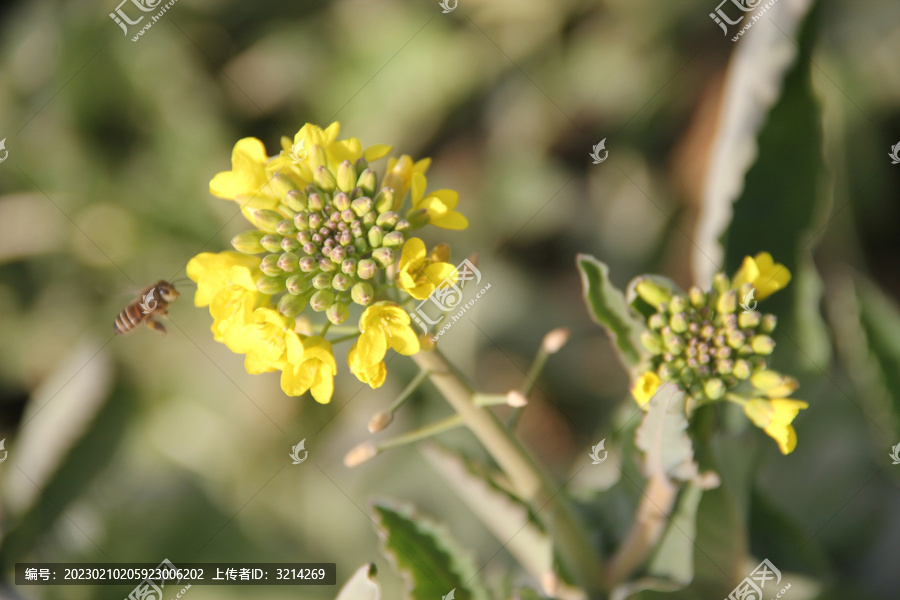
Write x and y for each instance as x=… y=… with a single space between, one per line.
x=377 y=151
x=403 y=340
x=224 y=185
x=413 y=250
x=645 y=387
x=419 y=182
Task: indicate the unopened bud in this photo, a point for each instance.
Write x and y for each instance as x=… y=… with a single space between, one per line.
x=394 y=239
x=360 y=454
x=341 y=282
x=762 y=344
x=322 y=281
x=270 y=285
x=678 y=322
x=289 y=262
x=337 y=313
x=417 y=218
x=384 y=201
x=269 y=265
x=290 y=244
x=267 y=220
x=307 y=264
x=375 y=236
x=317 y=155
x=768 y=323
x=727 y=302
x=321 y=300
x=741 y=369
x=698 y=297
x=248 y=242
x=383 y=256
x=361 y=206
x=296 y=284
x=656 y=321
x=366 y=268
x=379 y=421
x=295 y=200
x=387 y=220
x=516 y=398
x=367 y=181
x=315 y=203
x=341 y=201
x=749 y=320
x=714 y=389
x=324 y=179
x=290 y=305
x=554 y=340
x=651 y=342
x=652 y=293
x=348 y=266
x=362 y=293
x=677 y=304
x=346 y=176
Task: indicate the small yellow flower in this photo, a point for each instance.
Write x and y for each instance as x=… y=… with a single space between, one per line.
x=373 y=375
x=773 y=384
x=439 y=204
x=232 y=311
x=247 y=180
x=383 y=325
x=775 y=417
x=264 y=341
x=309 y=366
x=399 y=176
x=645 y=387
x=761 y=271
x=214 y=271
x=420 y=274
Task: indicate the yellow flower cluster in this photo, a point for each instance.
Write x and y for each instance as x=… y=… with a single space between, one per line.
x=762 y=393
x=333 y=236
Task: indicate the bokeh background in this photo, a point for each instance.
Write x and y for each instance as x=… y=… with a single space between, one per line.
x=141 y=447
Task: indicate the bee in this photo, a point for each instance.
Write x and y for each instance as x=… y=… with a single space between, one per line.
x=153 y=301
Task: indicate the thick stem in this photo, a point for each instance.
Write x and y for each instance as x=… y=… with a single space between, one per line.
x=532 y=485
x=649 y=525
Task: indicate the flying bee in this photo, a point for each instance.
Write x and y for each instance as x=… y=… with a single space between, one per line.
x=153 y=301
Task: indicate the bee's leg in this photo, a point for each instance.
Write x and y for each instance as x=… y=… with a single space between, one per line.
x=156 y=326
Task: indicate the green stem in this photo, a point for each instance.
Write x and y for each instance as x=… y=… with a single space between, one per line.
x=325 y=328
x=411 y=387
x=344 y=338
x=579 y=556
x=537 y=365
x=422 y=433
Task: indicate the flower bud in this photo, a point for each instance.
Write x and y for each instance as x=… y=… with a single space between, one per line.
x=269 y=265
x=384 y=200
x=375 y=236
x=724 y=366
x=270 y=285
x=315 y=203
x=362 y=293
x=656 y=321
x=337 y=255
x=417 y=218
x=366 y=268
x=402 y=225
x=383 y=256
x=326 y=265
x=741 y=369
x=296 y=284
x=749 y=320
x=379 y=421
x=678 y=322
x=295 y=200
x=394 y=239
x=267 y=220
x=341 y=282
x=341 y=201
x=652 y=293
x=651 y=342
x=346 y=176
x=248 y=242
x=317 y=155
x=714 y=389
x=360 y=454
x=727 y=302
x=361 y=164
x=762 y=344
x=555 y=340
x=768 y=323
x=348 y=266
x=337 y=313
x=282 y=184
x=677 y=304
x=307 y=264
x=361 y=206
x=321 y=300
x=698 y=297
x=290 y=305
x=387 y=220
x=324 y=179
x=367 y=181
x=289 y=262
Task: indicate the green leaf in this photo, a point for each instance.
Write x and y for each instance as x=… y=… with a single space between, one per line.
x=607 y=305
x=427 y=557
x=361 y=586
x=663 y=438
x=674 y=557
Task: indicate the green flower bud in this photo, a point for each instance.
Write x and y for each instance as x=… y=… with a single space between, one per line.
x=337 y=255
x=714 y=388
x=384 y=201
x=291 y=306
x=394 y=239
x=666 y=372
x=341 y=201
x=308 y=264
x=282 y=184
x=289 y=262
x=383 y=256
x=286 y=227
x=674 y=344
x=301 y=222
x=348 y=266
x=321 y=281
x=768 y=323
x=248 y=242
x=727 y=302
x=325 y=180
x=721 y=283
x=375 y=236
x=315 y=202
x=652 y=293
x=326 y=265
x=724 y=366
x=678 y=322
x=362 y=293
x=346 y=176
x=656 y=321
x=290 y=244
x=337 y=313
x=296 y=284
x=317 y=155
x=341 y=282
x=735 y=338
x=417 y=218
x=361 y=206
x=366 y=268
x=749 y=320
x=295 y=200
x=356 y=192
x=677 y=304
x=269 y=265
x=271 y=242
x=361 y=164
x=270 y=285
x=321 y=300
x=315 y=221
x=741 y=369
x=367 y=181
x=402 y=225
x=651 y=342
x=387 y=220
x=368 y=220
x=698 y=297
x=267 y=220
x=762 y=344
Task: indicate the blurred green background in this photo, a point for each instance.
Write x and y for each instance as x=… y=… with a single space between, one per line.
x=139 y=448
